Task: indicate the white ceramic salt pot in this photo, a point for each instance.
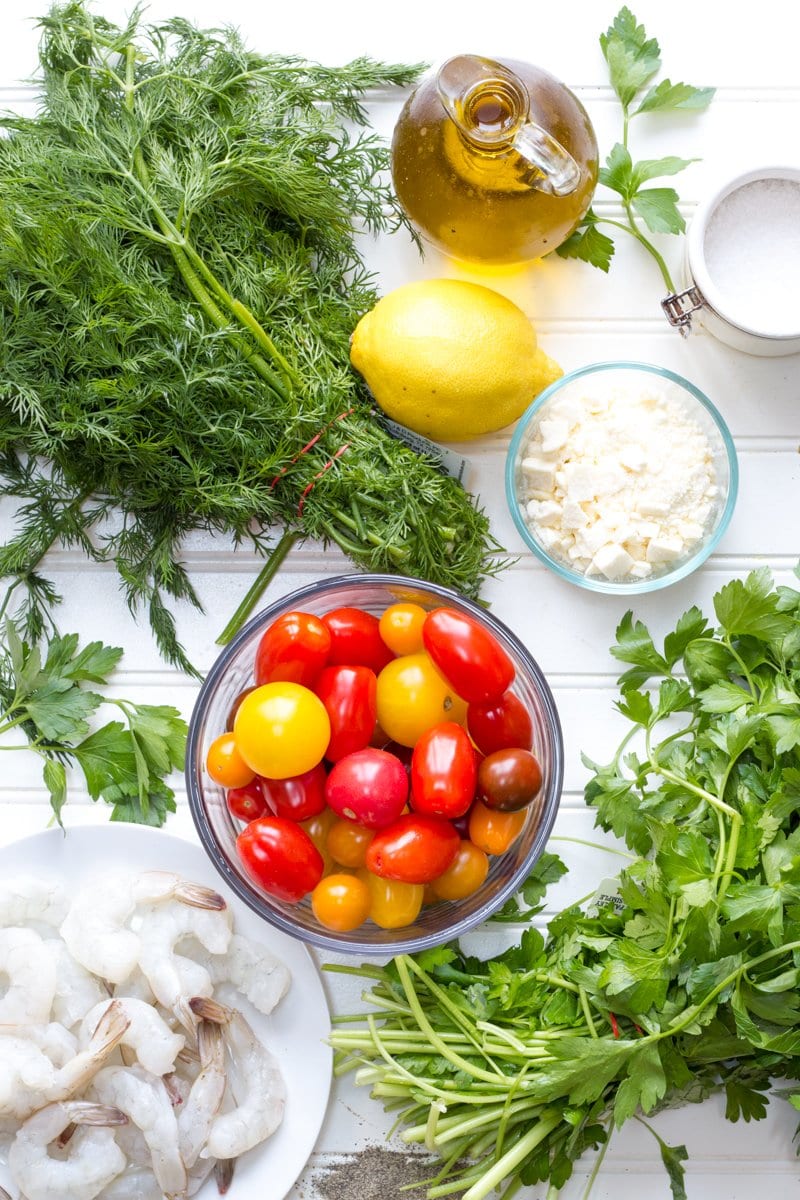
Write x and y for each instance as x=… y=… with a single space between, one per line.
x=706 y=302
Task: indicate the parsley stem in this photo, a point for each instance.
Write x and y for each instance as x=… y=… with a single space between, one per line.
x=594 y=846
x=548 y=1121
x=598 y=1162
x=587 y=1012
x=713 y=800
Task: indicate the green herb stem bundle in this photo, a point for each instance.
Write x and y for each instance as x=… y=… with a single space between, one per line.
x=683 y=985
x=178 y=284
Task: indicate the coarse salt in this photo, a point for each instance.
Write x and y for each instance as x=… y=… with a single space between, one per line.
x=752 y=255
x=617 y=480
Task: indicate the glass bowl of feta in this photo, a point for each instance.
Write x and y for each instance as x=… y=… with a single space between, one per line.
x=622 y=477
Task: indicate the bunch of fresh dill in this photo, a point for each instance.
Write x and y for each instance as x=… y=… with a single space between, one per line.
x=178 y=285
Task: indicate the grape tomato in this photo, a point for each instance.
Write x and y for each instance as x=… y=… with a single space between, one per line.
x=348 y=694
x=318 y=828
x=299 y=797
x=293 y=649
x=414 y=849
x=492 y=831
x=370 y=787
x=392 y=904
x=356 y=640
x=502 y=724
x=468 y=656
x=280 y=857
x=443 y=772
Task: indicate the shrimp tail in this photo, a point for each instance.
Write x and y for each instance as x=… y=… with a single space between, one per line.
x=223 y=1174
x=197 y=896
x=109 y=1029
x=210 y=1010
x=81 y=1112
x=209 y=1042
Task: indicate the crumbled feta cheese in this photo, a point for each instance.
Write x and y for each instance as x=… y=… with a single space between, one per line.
x=619 y=482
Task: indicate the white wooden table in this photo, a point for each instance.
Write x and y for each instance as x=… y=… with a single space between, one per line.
x=749 y=54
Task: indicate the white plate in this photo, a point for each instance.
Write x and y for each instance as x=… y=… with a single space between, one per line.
x=296 y=1032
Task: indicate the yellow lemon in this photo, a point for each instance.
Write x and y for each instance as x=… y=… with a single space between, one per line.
x=449 y=359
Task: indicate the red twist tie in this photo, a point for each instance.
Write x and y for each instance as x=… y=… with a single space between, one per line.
x=319 y=475
x=614 y=1024
x=309 y=445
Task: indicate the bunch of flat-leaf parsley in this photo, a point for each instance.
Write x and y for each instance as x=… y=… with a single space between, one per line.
x=43 y=696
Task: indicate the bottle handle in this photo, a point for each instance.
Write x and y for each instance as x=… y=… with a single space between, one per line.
x=490 y=106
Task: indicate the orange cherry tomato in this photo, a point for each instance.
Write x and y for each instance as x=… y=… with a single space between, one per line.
x=392 y=904
x=318 y=828
x=465 y=874
x=412 y=697
x=401 y=628
x=494 y=831
x=225 y=764
x=341 y=902
x=348 y=842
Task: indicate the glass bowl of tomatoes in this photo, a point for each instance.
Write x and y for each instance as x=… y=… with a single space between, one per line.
x=374 y=764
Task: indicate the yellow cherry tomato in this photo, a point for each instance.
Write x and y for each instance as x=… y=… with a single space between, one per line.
x=401 y=628
x=318 y=828
x=494 y=831
x=341 y=902
x=392 y=904
x=281 y=729
x=348 y=842
x=412 y=697
x=465 y=874
x=225 y=764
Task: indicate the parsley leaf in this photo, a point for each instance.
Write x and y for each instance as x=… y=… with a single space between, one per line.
x=632 y=57
x=589 y=245
x=666 y=97
x=658 y=208
x=124 y=763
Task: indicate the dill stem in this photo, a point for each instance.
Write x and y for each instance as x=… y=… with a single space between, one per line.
x=258 y=587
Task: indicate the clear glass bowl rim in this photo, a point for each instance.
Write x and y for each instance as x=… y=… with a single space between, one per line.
x=339 y=943
x=606 y=586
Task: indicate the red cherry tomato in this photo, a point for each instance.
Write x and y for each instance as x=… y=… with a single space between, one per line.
x=348 y=694
x=370 y=787
x=469 y=657
x=248 y=802
x=502 y=724
x=356 y=640
x=509 y=780
x=443 y=772
x=413 y=849
x=293 y=650
x=280 y=857
x=299 y=797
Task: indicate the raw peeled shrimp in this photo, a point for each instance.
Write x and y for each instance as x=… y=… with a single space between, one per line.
x=256 y=1082
x=155 y=1044
x=76 y=990
x=144 y=1100
x=29 y=965
x=28 y=1079
x=52 y=1039
x=25 y=898
x=133 y=1185
x=252 y=969
x=162 y=927
x=92 y=1158
x=202 y=1104
x=94 y=928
